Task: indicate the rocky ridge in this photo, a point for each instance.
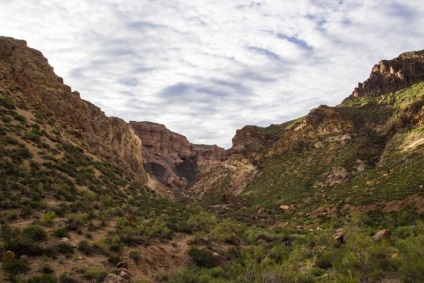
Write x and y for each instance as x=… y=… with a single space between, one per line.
x=27 y=70
x=392 y=75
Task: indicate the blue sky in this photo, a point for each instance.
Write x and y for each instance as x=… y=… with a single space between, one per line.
x=205 y=68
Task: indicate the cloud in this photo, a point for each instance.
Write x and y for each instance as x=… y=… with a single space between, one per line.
x=205 y=68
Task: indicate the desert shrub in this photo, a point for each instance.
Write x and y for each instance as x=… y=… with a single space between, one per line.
x=35 y=233
x=135 y=256
x=23 y=246
x=365 y=260
x=66 y=278
x=7 y=103
x=60 y=233
x=95 y=275
x=44 y=278
x=46 y=269
x=85 y=247
x=411 y=256
x=49 y=216
x=203 y=257
x=65 y=248
x=114 y=259
x=15 y=266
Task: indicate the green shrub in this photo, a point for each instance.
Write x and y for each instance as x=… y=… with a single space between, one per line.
x=113 y=259
x=46 y=269
x=35 y=233
x=135 y=256
x=49 y=216
x=411 y=256
x=44 y=278
x=94 y=274
x=15 y=266
x=7 y=103
x=203 y=257
x=65 y=248
x=66 y=278
x=60 y=233
x=24 y=246
x=85 y=247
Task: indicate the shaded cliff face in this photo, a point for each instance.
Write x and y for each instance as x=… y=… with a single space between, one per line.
x=171 y=158
x=392 y=75
x=28 y=72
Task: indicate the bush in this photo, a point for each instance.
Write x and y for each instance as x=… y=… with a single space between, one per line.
x=135 y=256
x=34 y=233
x=44 y=278
x=49 y=216
x=96 y=275
x=85 y=247
x=65 y=248
x=24 y=247
x=60 y=233
x=66 y=278
x=15 y=266
x=203 y=258
x=411 y=256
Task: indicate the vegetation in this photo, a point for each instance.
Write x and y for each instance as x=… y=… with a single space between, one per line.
x=312 y=213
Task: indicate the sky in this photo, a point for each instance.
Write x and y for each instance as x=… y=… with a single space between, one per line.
x=206 y=68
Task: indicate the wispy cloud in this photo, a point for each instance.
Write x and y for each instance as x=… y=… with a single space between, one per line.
x=205 y=68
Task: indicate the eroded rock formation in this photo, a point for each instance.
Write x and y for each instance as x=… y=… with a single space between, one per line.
x=171 y=158
x=392 y=75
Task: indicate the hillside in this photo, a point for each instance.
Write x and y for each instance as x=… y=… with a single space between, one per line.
x=335 y=196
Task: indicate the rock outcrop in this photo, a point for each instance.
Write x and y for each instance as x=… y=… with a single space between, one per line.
x=28 y=71
x=392 y=75
x=171 y=158
x=322 y=123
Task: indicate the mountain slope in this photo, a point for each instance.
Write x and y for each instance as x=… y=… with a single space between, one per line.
x=295 y=202
x=368 y=150
x=72 y=195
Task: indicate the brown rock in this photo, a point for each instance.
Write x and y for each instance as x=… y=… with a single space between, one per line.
x=321 y=123
x=8 y=256
x=170 y=157
x=339 y=235
x=284 y=208
x=124 y=273
x=382 y=234
x=122 y=264
x=392 y=75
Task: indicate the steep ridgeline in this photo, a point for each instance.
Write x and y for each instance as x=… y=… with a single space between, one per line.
x=365 y=154
x=73 y=199
x=392 y=75
x=27 y=76
x=171 y=158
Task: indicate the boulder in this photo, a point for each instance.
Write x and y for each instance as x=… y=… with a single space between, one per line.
x=339 y=236
x=382 y=234
x=8 y=256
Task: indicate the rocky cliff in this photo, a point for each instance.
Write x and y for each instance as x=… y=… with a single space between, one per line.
x=171 y=158
x=392 y=75
x=28 y=72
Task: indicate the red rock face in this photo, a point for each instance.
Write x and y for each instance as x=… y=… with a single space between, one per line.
x=171 y=158
x=392 y=75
